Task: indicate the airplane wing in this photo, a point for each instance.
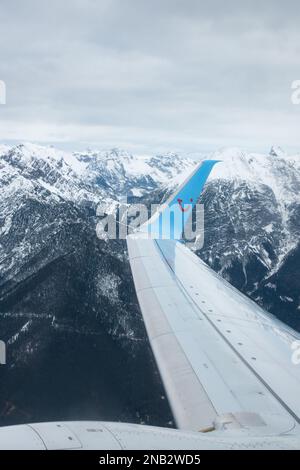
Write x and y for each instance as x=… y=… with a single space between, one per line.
x=225 y=363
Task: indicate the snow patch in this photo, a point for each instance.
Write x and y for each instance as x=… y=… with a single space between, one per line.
x=268 y=228
x=107 y=286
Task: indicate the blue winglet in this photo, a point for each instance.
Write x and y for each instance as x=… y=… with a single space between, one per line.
x=170 y=220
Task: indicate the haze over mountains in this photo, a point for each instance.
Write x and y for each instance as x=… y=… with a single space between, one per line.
x=77 y=347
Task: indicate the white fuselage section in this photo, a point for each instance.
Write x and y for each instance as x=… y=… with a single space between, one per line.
x=95 y=435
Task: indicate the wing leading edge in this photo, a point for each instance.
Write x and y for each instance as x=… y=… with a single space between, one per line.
x=224 y=362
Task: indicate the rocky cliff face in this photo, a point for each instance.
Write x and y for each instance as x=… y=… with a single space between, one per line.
x=252 y=213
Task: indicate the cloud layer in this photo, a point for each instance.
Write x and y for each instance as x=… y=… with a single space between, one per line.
x=151 y=76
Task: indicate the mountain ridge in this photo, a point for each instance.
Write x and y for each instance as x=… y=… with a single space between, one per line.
x=65 y=295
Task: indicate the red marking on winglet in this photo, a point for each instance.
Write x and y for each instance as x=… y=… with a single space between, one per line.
x=181 y=206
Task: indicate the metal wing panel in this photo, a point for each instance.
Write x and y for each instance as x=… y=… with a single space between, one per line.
x=191 y=406
x=195 y=333
x=260 y=340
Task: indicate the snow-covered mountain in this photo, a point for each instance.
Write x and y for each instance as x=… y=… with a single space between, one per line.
x=252 y=213
x=68 y=309
x=274 y=172
x=121 y=173
x=90 y=175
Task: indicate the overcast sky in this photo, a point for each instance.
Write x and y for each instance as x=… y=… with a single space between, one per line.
x=149 y=75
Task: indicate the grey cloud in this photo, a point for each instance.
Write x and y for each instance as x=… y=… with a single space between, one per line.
x=150 y=75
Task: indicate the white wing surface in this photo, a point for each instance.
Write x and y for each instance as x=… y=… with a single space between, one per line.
x=225 y=363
